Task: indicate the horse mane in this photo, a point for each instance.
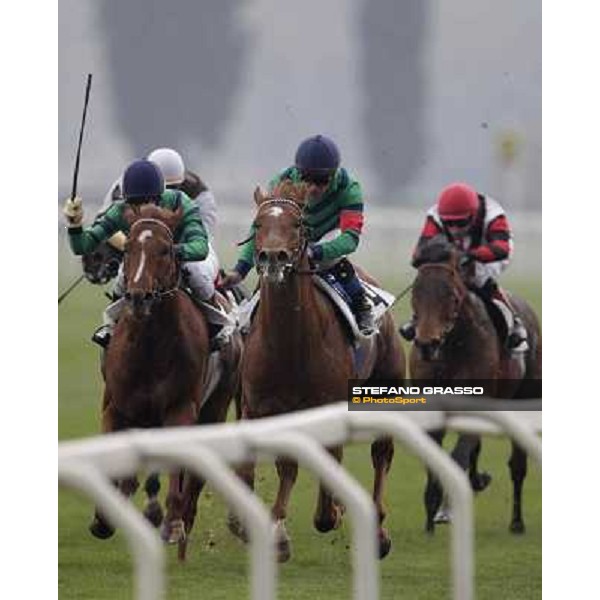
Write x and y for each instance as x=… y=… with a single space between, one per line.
x=151 y=211
x=289 y=190
x=436 y=250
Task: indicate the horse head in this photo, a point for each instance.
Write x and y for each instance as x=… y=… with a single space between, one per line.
x=280 y=240
x=150 y=267
x=438 y=295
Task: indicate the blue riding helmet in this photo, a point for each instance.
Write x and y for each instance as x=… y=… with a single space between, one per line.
x=318 y=155
x=142 y=179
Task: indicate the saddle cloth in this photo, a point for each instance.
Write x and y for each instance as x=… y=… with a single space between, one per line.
x=380 y=300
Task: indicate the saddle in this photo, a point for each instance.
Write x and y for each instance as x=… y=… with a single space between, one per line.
x=326 y=283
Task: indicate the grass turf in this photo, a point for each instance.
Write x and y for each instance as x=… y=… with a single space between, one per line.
x=507 y=567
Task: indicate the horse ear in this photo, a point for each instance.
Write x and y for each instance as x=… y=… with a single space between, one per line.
x=130 y=214
x=259 y=196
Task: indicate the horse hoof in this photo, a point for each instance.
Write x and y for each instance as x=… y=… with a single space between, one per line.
x=430 y=528
x=517 y=527
x=236 y=528
x=385 y=543
x=480 y=481
x=284 y=551
x=442 y=517
x=154 y=513
x=173 y=532
x=101 y=529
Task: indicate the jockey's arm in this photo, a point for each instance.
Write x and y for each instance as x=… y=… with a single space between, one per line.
x=429 y=231
x=207 y=205
x=245 y=260
x=350 y=224
x=83 y=241
x=192 y=243
x=496 y=244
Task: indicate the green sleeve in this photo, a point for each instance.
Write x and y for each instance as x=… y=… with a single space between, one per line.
x=347 y=242
x=84 y=241
x=246 y=253
x=192 y=241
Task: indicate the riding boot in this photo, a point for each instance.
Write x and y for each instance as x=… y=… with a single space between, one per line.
x=110 y=316
x=360 y=304
x=516 y=339
x=219 y=332
x=408 y=331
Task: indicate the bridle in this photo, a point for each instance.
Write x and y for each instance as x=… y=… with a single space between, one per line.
x=160 y=292
x=459 y=292
x=291 y=266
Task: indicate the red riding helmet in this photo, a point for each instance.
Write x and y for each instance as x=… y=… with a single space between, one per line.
x=457 y=202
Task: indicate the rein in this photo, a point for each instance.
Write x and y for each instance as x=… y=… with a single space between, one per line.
x=458 y=289
x=298 y=252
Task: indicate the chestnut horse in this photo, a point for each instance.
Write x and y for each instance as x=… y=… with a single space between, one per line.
x=155 y=365
x=456 y=339
x=298 y=355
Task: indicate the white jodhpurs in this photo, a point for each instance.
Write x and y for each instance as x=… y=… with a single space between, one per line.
x=485 y=271
x=201 y=275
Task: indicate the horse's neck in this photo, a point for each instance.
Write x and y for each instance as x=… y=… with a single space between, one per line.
x=151 y=333
x=288 y=316
x=472 y=320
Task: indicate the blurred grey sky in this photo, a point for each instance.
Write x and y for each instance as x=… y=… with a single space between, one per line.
x=417 y=93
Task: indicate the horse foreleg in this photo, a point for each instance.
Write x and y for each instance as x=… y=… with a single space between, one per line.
x=433 y=490
x=100 y=527
x=382 y=453
x=329 y=512
x=518 y=471
x=287 y=470
x=173 y=529
x=153 y=510
x=479 y=480
x=246 y=473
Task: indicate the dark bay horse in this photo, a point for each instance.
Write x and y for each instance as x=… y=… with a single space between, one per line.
x=298 y=355
x=456 y=339
x=156 y=364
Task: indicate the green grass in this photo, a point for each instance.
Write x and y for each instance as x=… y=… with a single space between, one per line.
x=507 y=567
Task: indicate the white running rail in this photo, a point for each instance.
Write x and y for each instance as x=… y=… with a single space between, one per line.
x=88 y=465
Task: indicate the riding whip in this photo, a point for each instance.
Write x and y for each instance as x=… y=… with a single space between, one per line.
x=76 y=175
x=71 y=288
x=85 y=105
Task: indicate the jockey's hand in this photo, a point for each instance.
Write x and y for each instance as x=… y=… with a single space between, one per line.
x=315 y=252
x=117 y=241
x=73 y=211
x=466 y=260
x=231 y=279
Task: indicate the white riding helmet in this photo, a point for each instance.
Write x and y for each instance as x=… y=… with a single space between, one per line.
x=170 y=163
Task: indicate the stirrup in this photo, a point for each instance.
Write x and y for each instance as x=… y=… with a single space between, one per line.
x=102 y=336
x=366 y=322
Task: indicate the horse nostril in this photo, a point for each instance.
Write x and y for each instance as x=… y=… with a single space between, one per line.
x=127 y=295
x=283 y=257
x=262 y=258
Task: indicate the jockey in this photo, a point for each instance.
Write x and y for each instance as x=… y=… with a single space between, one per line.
x=476 y=224
x=177 y=177
x=333 y=217
x=142 y=183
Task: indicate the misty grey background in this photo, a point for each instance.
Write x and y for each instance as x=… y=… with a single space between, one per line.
x=417 y=93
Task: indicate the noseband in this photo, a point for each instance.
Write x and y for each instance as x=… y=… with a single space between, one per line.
x=297 y=253
x=459 y=291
